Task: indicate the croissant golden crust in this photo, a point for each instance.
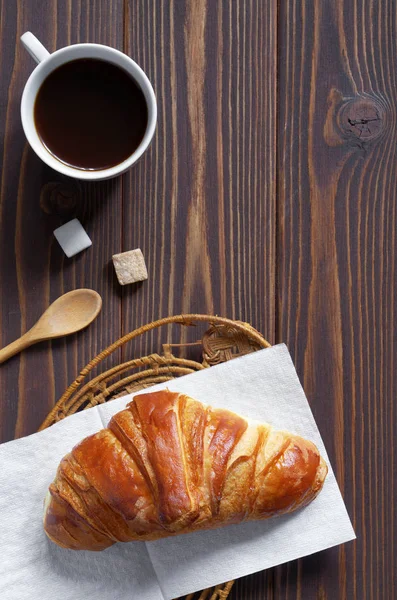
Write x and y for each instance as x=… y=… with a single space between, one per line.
x=168 y=464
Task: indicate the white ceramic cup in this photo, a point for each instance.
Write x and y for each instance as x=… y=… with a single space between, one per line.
x=46 y=64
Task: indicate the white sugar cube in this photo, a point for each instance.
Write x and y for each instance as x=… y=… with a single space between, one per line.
x=72 y=238
x=130 y=266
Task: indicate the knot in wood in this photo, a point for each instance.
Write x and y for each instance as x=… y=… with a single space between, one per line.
x=362 y=118
x=60 y=198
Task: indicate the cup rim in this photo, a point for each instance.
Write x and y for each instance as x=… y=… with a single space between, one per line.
x=50 y=159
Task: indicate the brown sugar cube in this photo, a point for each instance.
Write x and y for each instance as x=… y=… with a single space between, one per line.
x=130 y=266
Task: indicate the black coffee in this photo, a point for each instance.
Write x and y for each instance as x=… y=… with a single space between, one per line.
x=90 y=114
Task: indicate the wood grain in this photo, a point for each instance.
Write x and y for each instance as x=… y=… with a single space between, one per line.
x=336 y=269
x=34 y=200
x=201 y=203
x=284 y=217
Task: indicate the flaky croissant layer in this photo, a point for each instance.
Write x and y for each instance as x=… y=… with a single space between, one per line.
x=168 y=464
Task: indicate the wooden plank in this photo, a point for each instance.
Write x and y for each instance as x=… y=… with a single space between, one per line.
x=34 y=201
x=337 y=251
x=201 y=203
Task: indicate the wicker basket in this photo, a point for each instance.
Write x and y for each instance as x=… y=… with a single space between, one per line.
x=224 y=340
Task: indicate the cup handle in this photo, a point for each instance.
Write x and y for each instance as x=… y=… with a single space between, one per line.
x=34 y=47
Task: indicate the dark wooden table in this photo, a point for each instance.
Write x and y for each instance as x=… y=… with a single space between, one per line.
x=268 y=195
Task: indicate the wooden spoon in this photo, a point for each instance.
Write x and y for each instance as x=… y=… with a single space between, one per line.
x=69 y=313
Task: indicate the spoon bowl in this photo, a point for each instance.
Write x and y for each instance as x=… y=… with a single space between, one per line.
x=68 y=314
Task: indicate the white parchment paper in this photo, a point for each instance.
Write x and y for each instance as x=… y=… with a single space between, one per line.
x=263 y=386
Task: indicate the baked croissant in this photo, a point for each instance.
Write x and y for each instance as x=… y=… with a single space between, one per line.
x=168 y=464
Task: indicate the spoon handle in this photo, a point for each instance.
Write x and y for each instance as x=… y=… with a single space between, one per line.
x=15 y=347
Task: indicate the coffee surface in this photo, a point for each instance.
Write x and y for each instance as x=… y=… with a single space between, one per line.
x=90 y=114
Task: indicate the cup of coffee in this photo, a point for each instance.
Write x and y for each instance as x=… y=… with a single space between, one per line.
x=88 y=110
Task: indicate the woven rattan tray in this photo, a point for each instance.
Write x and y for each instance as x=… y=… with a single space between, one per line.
x=224 y=340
